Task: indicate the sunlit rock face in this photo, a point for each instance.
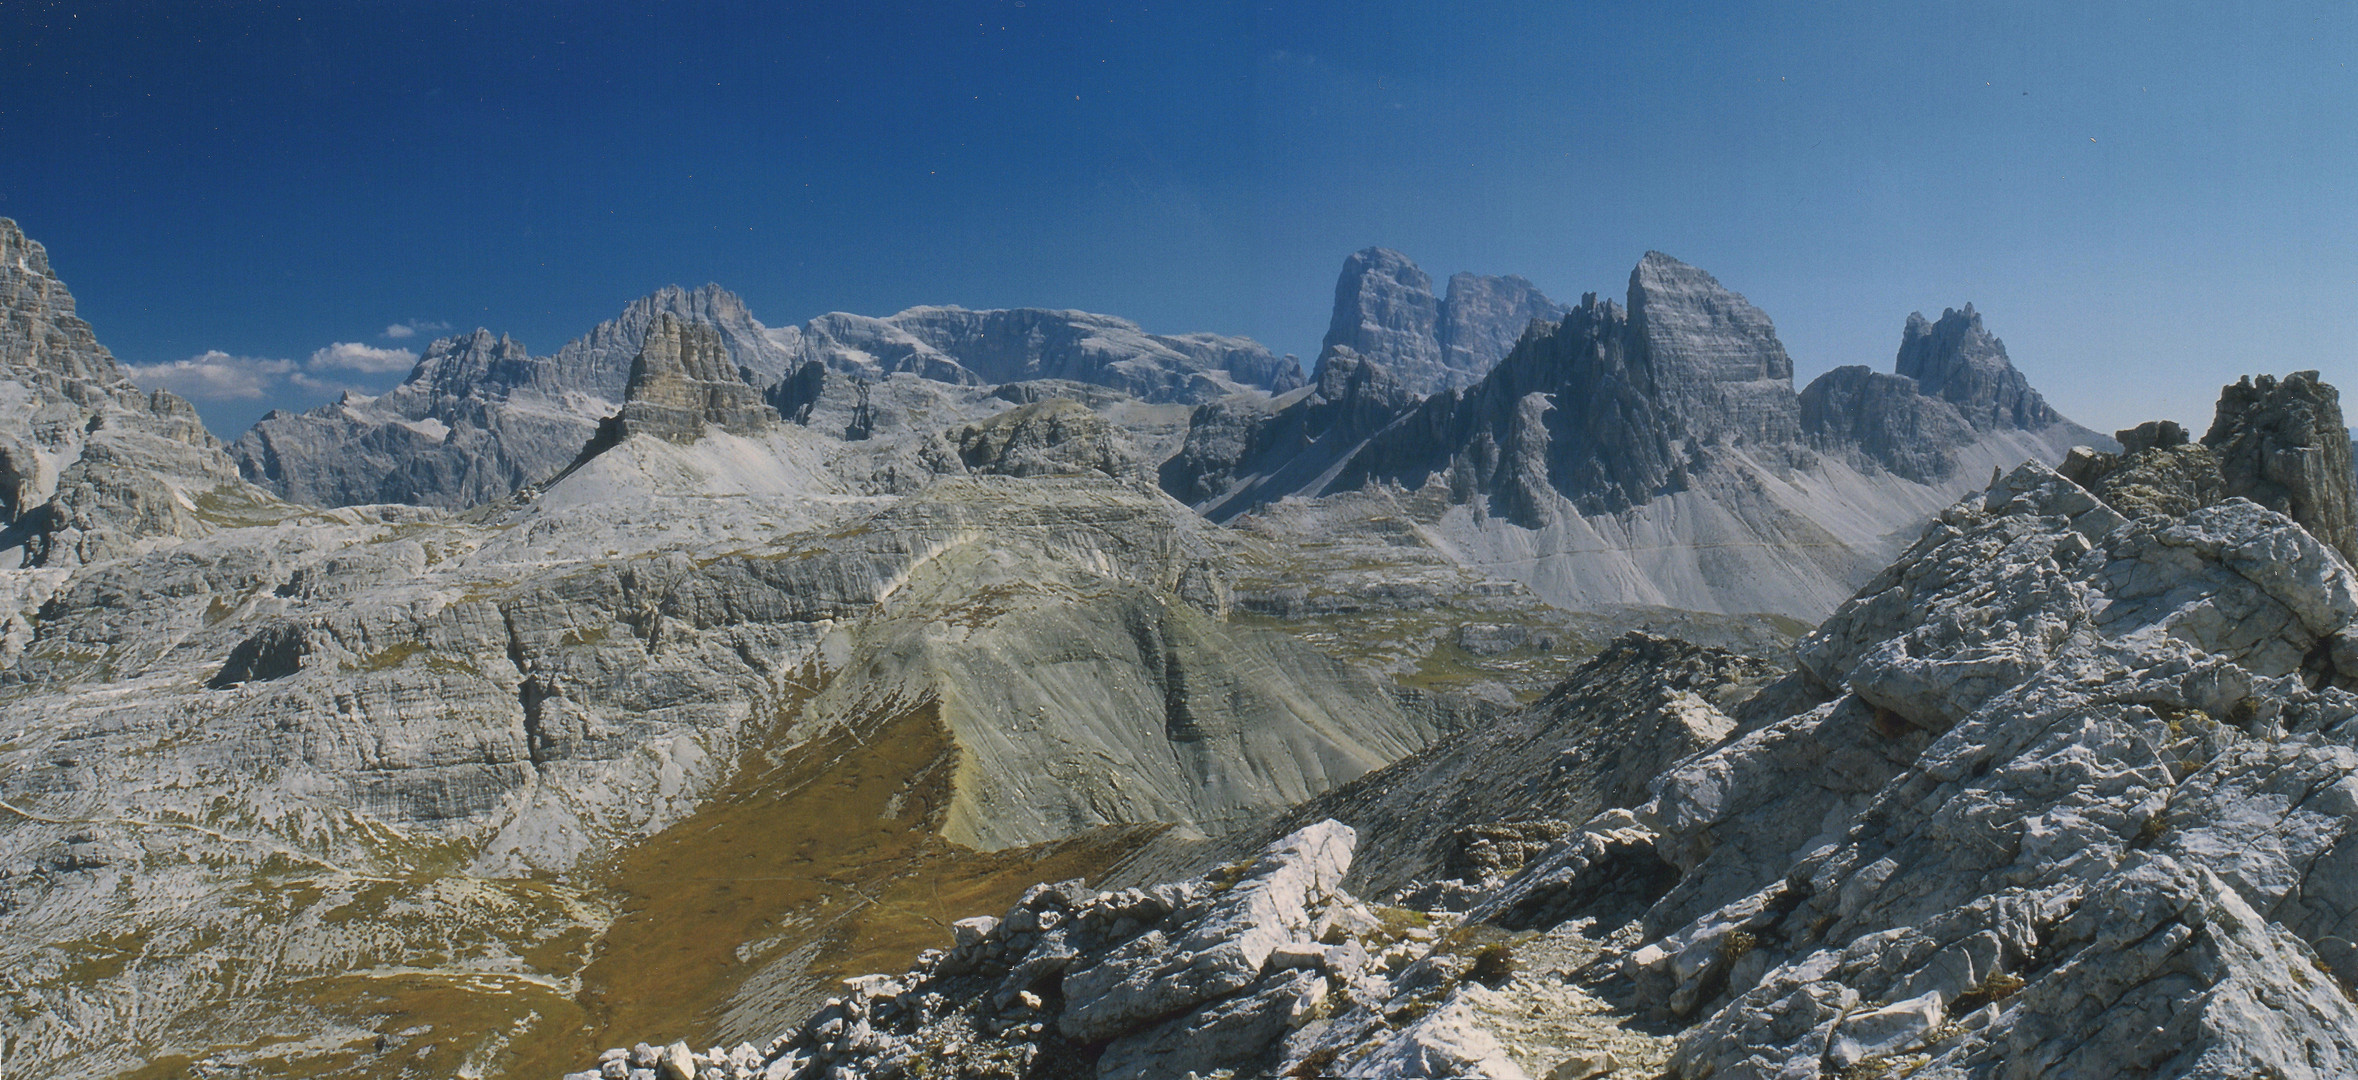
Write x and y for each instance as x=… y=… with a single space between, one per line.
x=683 y=380
x=90 y=464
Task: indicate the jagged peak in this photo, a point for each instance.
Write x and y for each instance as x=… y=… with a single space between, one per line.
x=26 y=252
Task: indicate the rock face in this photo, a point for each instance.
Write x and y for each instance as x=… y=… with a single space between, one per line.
x=1652 y=453
x=2283 y=445
x=1571 y=413
x=1385 y=311
x=683 y=381
x=1717 y=366
x=1483 y=317
x=600 y=361
x=1960 y=362
x=1886 y=418
x=89 y=463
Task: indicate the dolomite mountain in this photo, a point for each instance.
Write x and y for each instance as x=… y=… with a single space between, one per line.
x=89 y=463
x=1385 y=311
x=781 y=676
x=1653 y=452
x=383 y=790
x=2066 y=791
x=480 y=418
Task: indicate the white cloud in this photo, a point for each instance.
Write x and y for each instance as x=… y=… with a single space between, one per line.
x=214 y=376
x=366 y=359
x=414 y=327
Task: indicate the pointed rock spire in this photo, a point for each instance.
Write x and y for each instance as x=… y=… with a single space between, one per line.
x=682 y=380
x=1959 y=361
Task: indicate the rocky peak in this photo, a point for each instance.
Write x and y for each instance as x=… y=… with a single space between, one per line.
x=1959 y=361
x=2282 y=444
x=42 y=333
x=1713 y=358
x=1385 y=311
x=472 y=365
x=683 y=380
x=1483 y=317
x=89 y=462
x=599 y=362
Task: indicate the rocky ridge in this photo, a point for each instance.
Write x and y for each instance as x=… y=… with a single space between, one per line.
x=1650 y=453
x=1385 y=311
x=479 y=417
x=2065 y=791
x=89 y=463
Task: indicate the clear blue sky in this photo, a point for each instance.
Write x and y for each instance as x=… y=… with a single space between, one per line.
x=2143 y=199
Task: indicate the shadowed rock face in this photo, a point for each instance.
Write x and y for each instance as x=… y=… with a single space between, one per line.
x=682 y=381
x=1483 y=317
x=1886 y=417
x=2282 y=444
x=1566 y=413
x=89 y=462
x=1960 y=362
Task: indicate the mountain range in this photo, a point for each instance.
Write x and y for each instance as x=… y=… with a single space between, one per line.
x=649 y=694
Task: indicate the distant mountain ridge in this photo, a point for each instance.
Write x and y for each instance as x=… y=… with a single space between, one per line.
x=1385 y=311
x=1650 y=453
x=479 y=417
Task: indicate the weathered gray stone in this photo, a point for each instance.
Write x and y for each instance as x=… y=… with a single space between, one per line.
x=2283 y=444
x=683 y=381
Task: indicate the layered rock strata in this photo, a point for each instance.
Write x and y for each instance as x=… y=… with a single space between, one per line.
x=682 y=381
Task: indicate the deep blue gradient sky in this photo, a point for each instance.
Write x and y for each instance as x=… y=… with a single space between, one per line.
x=2143 y=199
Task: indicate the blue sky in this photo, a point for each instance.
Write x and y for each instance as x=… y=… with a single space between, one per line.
x=2144 y=200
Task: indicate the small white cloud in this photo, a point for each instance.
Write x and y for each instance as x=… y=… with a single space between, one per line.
x=214 y=376
x=366 y=359
x=413 y=328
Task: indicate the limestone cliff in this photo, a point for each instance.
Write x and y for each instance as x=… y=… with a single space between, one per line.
x=90 y=465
